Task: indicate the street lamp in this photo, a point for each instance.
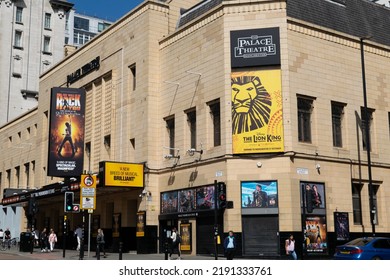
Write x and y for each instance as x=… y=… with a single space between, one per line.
x=368 y=140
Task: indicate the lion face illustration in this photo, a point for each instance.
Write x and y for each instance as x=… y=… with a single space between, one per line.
x=251 y=106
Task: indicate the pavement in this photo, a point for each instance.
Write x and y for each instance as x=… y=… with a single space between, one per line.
x=58 y=254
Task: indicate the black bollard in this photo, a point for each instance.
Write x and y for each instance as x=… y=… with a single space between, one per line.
x=98 y=251
x=166 y=250
x=120 y=250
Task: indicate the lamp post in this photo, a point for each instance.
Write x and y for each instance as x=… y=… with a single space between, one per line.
x=368 y=140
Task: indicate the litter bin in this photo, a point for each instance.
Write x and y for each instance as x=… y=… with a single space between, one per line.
x=25 y=241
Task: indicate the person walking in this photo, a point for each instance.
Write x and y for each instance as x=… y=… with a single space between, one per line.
x=79 y=234
x=230 y=245
x=7 y=238
x=52 y=239
x=44 y=241
x=175 y=244
x=100 y=243
x=290 y=247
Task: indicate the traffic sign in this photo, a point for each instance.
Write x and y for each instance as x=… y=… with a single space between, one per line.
x=88 y=192
x=76 y=208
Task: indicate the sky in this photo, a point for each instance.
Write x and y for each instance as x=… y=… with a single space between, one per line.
x=110 y=10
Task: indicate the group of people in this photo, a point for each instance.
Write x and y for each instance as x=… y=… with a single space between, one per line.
x=100 y=242
x=230 y=245
x=46 y=239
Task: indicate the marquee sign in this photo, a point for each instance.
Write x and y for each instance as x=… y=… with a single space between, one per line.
x=255 y=47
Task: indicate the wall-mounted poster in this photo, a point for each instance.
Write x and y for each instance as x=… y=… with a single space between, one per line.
x=315 y=234
x=205 y=198
x=169 y=202
x=185 y=233
x=187 y=200
x=66 y=132
x=257 y=112
x=259 y=194
x=341 y=225
x=141 y=219
x=314 y=195
x=116 y=224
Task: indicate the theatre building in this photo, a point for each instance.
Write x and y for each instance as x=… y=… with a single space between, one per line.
x=211 y=116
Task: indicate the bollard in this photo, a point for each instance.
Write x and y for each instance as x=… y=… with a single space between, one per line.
x=166 y=250
x=120 y=250
x=98 y=251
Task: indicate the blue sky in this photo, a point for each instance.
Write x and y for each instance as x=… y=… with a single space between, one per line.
x=110 y=10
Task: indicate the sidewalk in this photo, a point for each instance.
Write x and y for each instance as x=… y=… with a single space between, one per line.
x=58 y=254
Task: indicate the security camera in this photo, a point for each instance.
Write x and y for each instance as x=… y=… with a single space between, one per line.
x=191 y=152
x=168 y=156
x=318 y=166
x=259 y=164
x=144 y=191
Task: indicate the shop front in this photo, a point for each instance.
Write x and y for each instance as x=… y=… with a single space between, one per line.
x=197 y=214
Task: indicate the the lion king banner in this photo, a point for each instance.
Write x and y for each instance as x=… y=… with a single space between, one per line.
x=257 y=115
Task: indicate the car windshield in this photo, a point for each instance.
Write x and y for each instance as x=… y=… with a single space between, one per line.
x=360 y=241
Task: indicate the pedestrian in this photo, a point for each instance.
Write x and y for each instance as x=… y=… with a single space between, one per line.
x=175 y=244
x=290 y=247
x=52 y=239
x=100 y=243
x=79 y=234
x=7 y=237
x=230 y=245
x=1 y=234
x=44 y=241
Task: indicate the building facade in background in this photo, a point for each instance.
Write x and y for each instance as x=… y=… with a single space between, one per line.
x=31 y=35
x=245 y=115
x=80 y=29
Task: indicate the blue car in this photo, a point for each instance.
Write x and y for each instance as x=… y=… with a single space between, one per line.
x=367 y=248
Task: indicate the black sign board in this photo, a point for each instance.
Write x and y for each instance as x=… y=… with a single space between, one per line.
x=255 y=47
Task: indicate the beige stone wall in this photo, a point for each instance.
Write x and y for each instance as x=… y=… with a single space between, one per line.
x=191 y=67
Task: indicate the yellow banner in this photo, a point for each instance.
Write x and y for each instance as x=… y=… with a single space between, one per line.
x=119 y=174
x=257 y=112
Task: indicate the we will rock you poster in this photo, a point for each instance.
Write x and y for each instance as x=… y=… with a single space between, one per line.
x=66 y=133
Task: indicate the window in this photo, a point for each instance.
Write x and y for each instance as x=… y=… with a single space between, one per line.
x=215 y=112
x=133 y=76
x=19 y=15
x=357 y=203
x=382 y=244
x=8 y=178
x=305 y=108
x=191 y=119
x=81 y=23
x=102 y=26
x=27 y=173
x=370 y=113
x=46 y=44
x=18 y=39
x=17 y=176
x=375 y=189
x=389 y=121
x=337 y=119
x=107 y=142
x=47 y=21
x=170 y=124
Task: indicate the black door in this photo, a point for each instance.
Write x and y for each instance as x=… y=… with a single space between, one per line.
x=260 y=235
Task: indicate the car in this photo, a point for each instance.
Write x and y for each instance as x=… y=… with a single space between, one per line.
x=365 y=248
